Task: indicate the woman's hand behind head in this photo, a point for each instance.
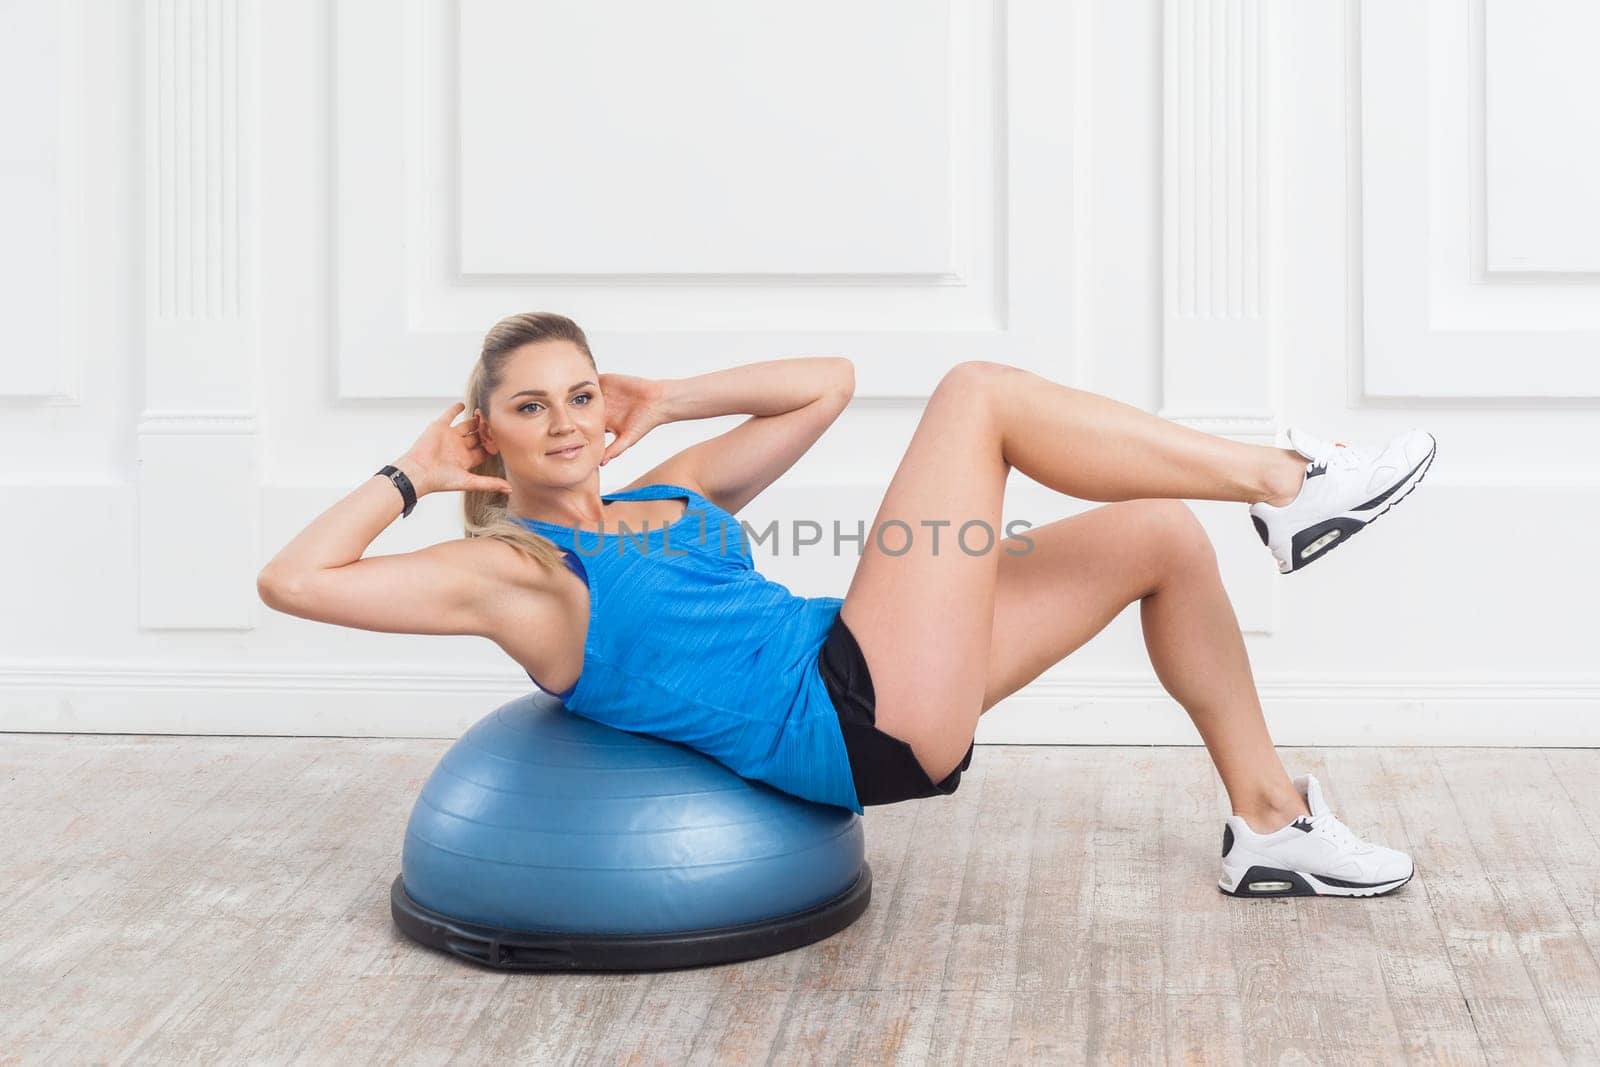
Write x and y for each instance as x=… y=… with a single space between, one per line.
x=633 y=409
x=442 y=458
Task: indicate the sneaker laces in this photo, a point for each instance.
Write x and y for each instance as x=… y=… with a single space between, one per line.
x=1329 y=824
x=1341 y=455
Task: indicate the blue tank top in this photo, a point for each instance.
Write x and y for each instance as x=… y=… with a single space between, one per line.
x=689 y=642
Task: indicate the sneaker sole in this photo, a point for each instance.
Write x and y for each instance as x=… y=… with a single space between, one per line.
x=1346 y=525
x=1261 y=881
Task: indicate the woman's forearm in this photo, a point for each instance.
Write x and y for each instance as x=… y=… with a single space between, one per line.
x=768 y=388
x=343 y=532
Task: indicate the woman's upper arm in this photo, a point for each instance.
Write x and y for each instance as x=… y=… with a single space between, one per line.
x=455 y=587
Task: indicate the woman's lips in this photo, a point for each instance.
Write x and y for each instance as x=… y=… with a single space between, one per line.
x=568 y=454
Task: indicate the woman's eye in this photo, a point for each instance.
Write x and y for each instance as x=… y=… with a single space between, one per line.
x=581 y=396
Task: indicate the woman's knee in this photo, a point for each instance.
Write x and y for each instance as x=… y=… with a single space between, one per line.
x=1172 y=532
x=971 y=389
x=974 y=376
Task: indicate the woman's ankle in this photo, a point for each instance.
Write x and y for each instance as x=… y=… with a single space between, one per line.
x=1271 y=805
x=1281 y=482
x=1271 y=817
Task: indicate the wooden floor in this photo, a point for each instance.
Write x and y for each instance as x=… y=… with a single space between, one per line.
x=208 y=900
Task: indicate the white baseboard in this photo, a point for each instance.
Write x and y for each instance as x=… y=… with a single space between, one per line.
x=1502 y=712
x=1132 y=710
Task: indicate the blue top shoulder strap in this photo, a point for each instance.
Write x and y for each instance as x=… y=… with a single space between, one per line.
x=652 y=492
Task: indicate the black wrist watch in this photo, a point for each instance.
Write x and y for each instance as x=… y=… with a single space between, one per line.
x=408 y=492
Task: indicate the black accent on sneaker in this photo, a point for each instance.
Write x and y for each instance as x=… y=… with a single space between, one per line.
x=1316 y=467
x=1343 y=884
x=1381 y=497
x=1261 y=528
x=1298 y=886
x=1345 y=527
x=1227 y=839
x=1302 y=823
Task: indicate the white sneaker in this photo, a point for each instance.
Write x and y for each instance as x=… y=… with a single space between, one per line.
x=1345 y=488
x=1311 y=857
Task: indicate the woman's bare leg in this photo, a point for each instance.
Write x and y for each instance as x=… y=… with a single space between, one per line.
x=922 y=609
x=1083 y=571
x=1096 y=448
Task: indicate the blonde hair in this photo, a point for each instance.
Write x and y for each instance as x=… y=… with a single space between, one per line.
x=483 y=511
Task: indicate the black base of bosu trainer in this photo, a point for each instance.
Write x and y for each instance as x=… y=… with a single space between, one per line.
x=526 y=950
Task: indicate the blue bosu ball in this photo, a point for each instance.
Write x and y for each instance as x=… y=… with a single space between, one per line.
x=546 y=841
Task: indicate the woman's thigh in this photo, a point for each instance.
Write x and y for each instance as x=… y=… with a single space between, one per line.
x=1077 y=575
x=920 y=607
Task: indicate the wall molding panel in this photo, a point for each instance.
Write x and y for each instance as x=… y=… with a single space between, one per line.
x=1436 y=322
x=420 y=277
x=40 y=201
x=1215 y=350
x=198 y=437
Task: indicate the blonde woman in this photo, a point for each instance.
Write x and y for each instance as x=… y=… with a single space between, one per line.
x=642 y=608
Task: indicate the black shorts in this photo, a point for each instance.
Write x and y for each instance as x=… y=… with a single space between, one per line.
x=885 y=769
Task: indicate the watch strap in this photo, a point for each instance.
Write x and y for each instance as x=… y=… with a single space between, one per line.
x=408 y=492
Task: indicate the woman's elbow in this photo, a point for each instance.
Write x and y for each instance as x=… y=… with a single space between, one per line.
x=847 y=377
x=273 y=589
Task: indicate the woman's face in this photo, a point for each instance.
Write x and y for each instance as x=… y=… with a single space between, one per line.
x=548 y=400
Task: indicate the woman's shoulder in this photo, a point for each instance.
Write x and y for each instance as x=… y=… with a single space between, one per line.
x=520 y=585
x=535 y=614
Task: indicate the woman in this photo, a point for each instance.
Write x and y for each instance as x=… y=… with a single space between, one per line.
x=642 y=608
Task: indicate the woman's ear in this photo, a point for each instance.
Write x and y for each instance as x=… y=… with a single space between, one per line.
x=485 y=435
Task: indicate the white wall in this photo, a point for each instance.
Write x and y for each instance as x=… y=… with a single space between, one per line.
x=250 y=248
